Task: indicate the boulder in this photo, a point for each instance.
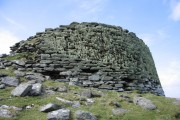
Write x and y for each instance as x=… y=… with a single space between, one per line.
x=61 y=114
x=19 y=73
x=50 y=107
x=10 y=81
x=35 y=76
x=22 y=90
x=83 y=115
x=144 y=103
x=36 y=89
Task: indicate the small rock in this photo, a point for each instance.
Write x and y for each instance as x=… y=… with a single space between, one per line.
x=50 y=107
x=144 y=103
x=83 y=115
x=119 y=111
x=61 y=114
x=76 y=104
x=22 y=90
x=86 y=93
x=10 y=81
x=6 y=113
x=94 y=78
x=66 y=73
x=36 y=89
x=62 y=89
x=90 y=101
x=19 y=73
x=2 y=86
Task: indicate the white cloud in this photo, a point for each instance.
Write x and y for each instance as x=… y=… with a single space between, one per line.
x=175 y=14
x=170 y=78
x=154 y=38
x=87 y=10
x=7 y=39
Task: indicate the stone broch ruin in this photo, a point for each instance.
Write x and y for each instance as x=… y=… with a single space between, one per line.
x=91 y=55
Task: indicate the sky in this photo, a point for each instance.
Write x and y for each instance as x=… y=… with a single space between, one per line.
x=157 y=22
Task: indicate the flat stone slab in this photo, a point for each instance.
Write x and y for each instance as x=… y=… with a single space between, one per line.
x=22 y=90
x=10 y=81
x=50 y=107
x=83 y=115
x=61 y=114
x=144 y=103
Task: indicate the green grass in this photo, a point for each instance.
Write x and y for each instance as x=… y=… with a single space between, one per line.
x=102 y=107
x=23 y=55
x=8 y=72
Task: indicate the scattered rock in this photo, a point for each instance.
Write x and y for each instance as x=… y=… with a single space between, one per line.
x=86 y=93
x=2 y=86
x=115 y=104
x=50 y=107
x=8 y=111
x=22 y=90
x=119 y=111
x=83 y=115
x=36 y=89
x=19 y=73
x=10 y=81
x=61 y=114
x=144 y=103
x=62 y=89
x=90 y=101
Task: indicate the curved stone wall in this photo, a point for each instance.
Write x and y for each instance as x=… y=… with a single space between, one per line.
x=94 y=54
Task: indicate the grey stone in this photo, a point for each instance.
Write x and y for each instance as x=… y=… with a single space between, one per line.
x=83 y=115
x=87 y=83
x=66 y=73
x=10 y=81
x=2 y=86
x=22 y=90
x=35 y=76
x=76 y=104
x=118 y=85
x=61 y=114
x=86 y=93
x=144 y=103
x=94 y=77
x=108 y=87
x=4 y=113
x=119 y=111
x=107 y=78
x=19 y=73
x=62 y=89
x=50 y=107
x=19 y=62
x=36 y=89
x=45 y=56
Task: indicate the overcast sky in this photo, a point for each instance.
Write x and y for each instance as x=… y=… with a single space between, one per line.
x=157 y=22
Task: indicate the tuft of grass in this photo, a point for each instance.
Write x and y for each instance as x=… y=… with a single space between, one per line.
x=23 y=55
x=9 y=71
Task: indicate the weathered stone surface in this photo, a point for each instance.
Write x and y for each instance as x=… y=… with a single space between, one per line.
x=10 y=81
x=94 y=78
x=4 y=113
x=97 y=54
x=83 y=115
x=22 y=90
x=86 y=93
x=19 y=73
x=144 y=103
x=61 y=114
x=2 y=86
x=36 y=89
x=50 y=107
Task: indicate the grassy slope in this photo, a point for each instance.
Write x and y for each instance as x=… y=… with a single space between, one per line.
x=102 y=108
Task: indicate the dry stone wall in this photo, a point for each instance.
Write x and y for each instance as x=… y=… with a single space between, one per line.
x=92 y=55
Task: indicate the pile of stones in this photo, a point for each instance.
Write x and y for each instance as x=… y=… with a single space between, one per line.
x=90 y=55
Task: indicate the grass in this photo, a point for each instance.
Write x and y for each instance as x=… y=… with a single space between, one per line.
x=23 y=55
x=8 y=72
x=101 y=108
